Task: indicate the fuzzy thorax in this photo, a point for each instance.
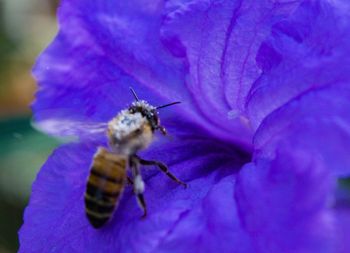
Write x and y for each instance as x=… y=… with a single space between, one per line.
x=129 y=132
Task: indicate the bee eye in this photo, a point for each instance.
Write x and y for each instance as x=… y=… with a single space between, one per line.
x=138 y=131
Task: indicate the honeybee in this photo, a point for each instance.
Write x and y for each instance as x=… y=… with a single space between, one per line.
x=130 y=131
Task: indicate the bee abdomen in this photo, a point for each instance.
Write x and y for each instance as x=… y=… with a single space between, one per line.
x=104 y=187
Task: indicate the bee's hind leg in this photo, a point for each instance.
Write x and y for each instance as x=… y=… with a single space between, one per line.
x=139 y=185
x=162 y=167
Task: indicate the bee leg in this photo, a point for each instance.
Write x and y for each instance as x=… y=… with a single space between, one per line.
x=130 y=182
x=163 y=168
x=139 y=185
x=142 y=203
x=162 y=130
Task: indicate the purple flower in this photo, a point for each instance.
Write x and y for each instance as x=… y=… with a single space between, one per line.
x=261 y=136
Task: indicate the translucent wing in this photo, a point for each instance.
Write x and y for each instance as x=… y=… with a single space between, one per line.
x=72 y=129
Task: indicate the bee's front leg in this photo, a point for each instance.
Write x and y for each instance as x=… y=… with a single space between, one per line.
x=162 y=167
x=162 y=130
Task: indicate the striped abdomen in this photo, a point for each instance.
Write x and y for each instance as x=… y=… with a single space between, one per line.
x=105 y=185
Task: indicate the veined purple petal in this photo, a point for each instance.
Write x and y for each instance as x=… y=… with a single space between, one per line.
x=284 y=202
x=206 y=225
x=318 y=121
x=220 y=40
x=304 y=94
x=305 y=52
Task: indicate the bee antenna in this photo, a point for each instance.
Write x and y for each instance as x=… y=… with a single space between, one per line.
x=134 y=93
x=166 y=105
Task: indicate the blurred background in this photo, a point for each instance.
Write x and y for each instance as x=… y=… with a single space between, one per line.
x=26 y=28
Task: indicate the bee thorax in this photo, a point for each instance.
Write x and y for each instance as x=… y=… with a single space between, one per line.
x=129 y=132
x=125 y=123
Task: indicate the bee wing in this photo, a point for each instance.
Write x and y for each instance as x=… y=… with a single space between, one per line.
x=73 y=129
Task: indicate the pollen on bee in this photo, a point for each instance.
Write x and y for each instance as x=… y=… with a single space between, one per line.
x=125 y=123
x=139 y=184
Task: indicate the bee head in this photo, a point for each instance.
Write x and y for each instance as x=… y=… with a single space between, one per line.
x=149 y=112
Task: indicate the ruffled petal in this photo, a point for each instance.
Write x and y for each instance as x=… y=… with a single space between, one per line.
x=318 y=121
x=55 y=220
x=219 y=40
x=207 y=224
x=284 y=203
x=304 y=94
x=305 y=52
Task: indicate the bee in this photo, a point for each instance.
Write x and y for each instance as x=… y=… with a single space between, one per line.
x=130 y=131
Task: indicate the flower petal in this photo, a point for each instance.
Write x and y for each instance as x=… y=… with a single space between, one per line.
x=220 y=40
x=318 y=121
x=204 y=163
x=207 y=225
x=342 y=216
x=284 y=202
x=306 y=52
x=100 y=51
x=304 y=92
